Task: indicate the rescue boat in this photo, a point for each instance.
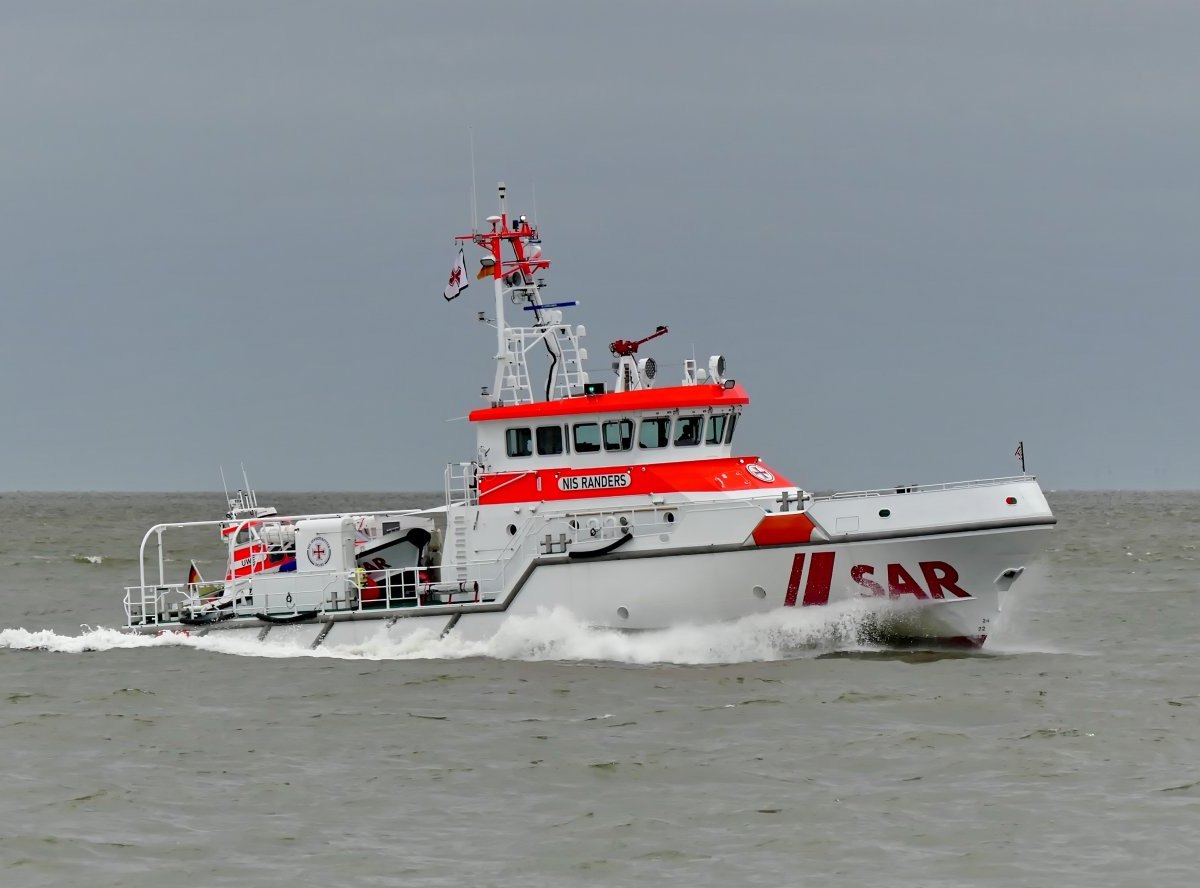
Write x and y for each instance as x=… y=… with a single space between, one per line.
x=617 y=499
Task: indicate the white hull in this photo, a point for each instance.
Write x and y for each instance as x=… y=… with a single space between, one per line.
x=658 y=591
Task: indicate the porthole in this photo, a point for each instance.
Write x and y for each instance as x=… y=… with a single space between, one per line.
x=669 y=517
x=512 y=530
x=885 y=513
x=623 y=613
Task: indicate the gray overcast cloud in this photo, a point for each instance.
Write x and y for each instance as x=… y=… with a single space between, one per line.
x=919 y=231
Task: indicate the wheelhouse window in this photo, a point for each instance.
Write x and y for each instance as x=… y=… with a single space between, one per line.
x=655 y=432
x=518 y=442
x=716 y=428
x=618 y=435
x=587 y=437
x=549 y=440
x=687 y=430
x=732 y=424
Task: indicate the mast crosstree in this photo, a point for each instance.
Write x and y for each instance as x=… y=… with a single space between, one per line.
x=513 y=261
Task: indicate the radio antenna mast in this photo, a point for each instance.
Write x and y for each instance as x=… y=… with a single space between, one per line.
x=251 y=498
x=474 y=200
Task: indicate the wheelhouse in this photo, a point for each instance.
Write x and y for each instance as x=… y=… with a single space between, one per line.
x=679 y=424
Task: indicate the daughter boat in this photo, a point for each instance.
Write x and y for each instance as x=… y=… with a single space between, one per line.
x=621 y=502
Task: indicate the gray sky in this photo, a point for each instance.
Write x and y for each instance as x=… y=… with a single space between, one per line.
x=919 y=231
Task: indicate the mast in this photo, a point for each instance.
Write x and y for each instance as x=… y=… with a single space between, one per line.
x=516 y=279
x=498 y=285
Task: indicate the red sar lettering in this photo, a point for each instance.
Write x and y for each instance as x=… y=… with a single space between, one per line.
x=939 y=576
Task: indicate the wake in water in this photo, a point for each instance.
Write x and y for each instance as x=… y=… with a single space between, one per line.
x=79 y=558
x=548 y=636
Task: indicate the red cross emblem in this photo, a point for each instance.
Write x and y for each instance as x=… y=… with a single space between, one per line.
x=319 y=552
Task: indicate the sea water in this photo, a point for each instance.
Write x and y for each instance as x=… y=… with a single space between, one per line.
x=764 y=752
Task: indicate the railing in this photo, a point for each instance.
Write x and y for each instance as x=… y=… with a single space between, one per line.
x=479 y=581
x=326 y=592
x=462 y=483
x=922 y=488
x=157 y=530
x=516 y=386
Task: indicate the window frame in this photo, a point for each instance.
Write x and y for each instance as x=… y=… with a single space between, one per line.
x=625 y=442
x=663 y=422
x=721 y=416
x=587 y=448
x=509 y=440
x=697 y=421
x=537 y=436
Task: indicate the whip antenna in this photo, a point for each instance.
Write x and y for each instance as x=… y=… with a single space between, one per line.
x=474 y=200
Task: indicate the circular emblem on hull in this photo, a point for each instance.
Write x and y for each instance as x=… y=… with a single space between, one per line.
x=762 y=473
x=319 y=552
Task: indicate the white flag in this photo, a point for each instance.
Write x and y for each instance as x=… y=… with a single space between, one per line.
x=458 y=278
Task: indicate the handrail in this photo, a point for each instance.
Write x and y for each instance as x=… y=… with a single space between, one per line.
x=224 y=522
x=918 y=488
x=492 y=577
x=458 y=486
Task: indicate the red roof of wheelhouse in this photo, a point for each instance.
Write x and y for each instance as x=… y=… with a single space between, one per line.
x=679 y=397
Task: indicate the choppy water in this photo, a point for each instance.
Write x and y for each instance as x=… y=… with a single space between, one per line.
x=756 y=753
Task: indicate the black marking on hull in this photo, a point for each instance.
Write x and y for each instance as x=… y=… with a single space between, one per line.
x=325 y=629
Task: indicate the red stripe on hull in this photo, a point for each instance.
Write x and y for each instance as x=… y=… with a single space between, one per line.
x=967 y=642
x=693 y=476
x=793 y=586
x=954 y=642
x=780 y=530
x=820 y=575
